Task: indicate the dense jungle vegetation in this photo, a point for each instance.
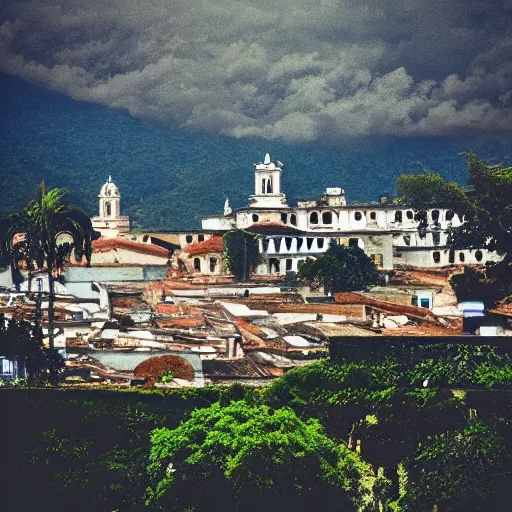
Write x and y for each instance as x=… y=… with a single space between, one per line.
x=421 y=427
x=171 y=179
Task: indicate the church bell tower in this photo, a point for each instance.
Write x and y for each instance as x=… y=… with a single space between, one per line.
x=267 y=185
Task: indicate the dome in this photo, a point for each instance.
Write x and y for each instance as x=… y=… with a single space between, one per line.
x=109 y=189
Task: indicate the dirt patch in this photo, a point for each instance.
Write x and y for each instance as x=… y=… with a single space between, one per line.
x=155 y=367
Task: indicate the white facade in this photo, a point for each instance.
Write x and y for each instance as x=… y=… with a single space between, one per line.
x=386 y=232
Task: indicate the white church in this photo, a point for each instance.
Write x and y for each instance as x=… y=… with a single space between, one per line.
x=388 y=233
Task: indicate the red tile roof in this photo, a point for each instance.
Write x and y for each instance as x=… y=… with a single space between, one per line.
x=268 y=227
x=109 y=244
x=388 y=307
x=213 y=244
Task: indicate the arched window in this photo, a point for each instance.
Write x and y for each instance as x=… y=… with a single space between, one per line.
x=436 y=256
x=451 y=256
x=462 y=257
x=320 y=243
x=213 y=264
x=197 y=264
x=449 y=215
x=478 y=255
x=200 y=238
x=288 y=243
x=358 y=216
x=293 y=219
x=398 y=216
x=435 y=216
x=436 y=238
x=313 y=218
x=255 y=217
x=269 y=185
x=409 y=214
x=263 y=185
x=108 y=209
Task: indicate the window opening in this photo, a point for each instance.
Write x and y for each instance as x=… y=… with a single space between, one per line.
x=358 y=216
x=283 y=218
x=309 y=243
x=108 y=209
x=293 y=219
x=320 y=243
x=189 y=239
x=451 y=256
x=213 y=264
x=255 y=217
x=409 y=214
x=479 y=255
x=373 y=215
x=197 y=264
x=435 y=216
x=200 y=238
x=353 y=242
x=289 y=263
x=398 y=216
x=288 y=243
x=449 y=215
x=462 y=257
x=327 y=217
x=436 y=238
x=313 y=218
x=436 y=256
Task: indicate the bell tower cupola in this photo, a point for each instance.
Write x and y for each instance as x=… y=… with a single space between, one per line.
x=267 y=185
x=109 y=222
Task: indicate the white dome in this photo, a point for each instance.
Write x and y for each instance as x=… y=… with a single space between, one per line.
x=109 y=189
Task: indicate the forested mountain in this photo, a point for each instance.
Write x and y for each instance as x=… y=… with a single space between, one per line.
x=169 y=179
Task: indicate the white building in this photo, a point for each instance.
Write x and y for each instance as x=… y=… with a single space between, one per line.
x=386 y=232
x=110 y=223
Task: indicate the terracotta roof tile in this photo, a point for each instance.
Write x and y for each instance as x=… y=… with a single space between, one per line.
x=358 y=298
x=109 y=244
x=213 y=244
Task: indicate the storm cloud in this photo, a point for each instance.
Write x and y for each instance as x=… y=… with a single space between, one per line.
x=294 y=70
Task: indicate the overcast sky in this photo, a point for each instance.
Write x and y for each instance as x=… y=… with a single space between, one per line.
x=291 y=69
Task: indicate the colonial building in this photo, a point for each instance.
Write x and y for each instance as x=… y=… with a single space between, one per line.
x=386 y=232
x=110 y=223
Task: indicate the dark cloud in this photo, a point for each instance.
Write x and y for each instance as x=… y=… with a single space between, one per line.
x=275 y=69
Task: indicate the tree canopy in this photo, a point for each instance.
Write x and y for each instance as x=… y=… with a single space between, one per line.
x=260 y=457
x=486 y=207
x=240 y=253
x=340 y=269
x=40 y=224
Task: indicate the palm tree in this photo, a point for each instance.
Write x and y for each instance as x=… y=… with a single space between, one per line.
x=42 y=222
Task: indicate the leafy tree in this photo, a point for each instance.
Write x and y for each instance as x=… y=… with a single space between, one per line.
x=20 y=343
x=253 y=458
x=340 y=269
x=487 y=211
x=240 y=253
x=458 y=470
x=42 y=222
